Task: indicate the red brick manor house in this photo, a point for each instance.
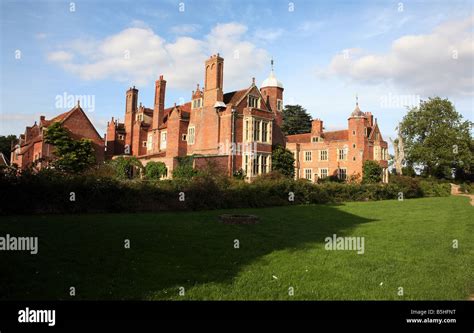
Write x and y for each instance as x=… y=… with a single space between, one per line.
x=231 y=131
x=236 y=130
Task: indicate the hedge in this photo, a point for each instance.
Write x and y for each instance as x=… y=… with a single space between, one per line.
x=47 y=193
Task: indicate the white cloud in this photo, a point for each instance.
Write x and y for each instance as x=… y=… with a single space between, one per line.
x=439 y=63
x=60 y=56
x=183 y=29
x=138 y=56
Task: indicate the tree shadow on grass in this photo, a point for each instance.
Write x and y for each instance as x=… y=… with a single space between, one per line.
x=167 y=250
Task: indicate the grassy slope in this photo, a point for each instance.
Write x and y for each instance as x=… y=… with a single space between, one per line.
x=407 y=244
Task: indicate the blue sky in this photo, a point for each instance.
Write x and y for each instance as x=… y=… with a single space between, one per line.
x=388 y=52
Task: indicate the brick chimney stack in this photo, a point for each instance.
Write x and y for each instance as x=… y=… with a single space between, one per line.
x=159 y=105
x=214 y=80
x=317 y=127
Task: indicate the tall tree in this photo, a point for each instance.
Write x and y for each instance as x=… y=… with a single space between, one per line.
x=5 y=144
x=72 y=156
x=296 y=120
x=283 y=161
x=436 y=138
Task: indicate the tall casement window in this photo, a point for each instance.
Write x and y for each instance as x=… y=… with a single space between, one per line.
x=254 y=165
x=342 y=173
x=247 y=129
x=197 y=103
x=256 y=130
x=342 y=154
x=163 y=140
x=323 y=173
x=279 y=105
x=308 y=174
x=264 y=131
x=253 y=102
x=264 y=164
x=308 y=156
x=323 y=155
x=246 y=165
x=149 y=141
x=191 y=135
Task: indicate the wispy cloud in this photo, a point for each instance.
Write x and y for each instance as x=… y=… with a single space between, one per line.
x=308 y=28
x=185 y=29
x=268 y=35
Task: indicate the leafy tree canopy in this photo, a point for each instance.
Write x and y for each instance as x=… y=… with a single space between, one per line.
x=296 y=120
x=437 y=139
x=72 y=155
x=283 y=161
x=5 y=144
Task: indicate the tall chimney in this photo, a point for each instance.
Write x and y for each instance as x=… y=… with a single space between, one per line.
x=159 y=107
x=317 y=127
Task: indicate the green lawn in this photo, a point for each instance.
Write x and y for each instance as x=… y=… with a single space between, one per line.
x=407 y=244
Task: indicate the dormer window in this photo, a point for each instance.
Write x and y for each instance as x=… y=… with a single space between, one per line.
x=253 y=102
x=315 y=139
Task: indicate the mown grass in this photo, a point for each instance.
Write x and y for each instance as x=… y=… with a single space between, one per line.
x=407 y=244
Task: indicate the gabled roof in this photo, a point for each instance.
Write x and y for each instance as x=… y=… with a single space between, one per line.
x=234 y=97
x=373 y=129
x=185 y=110
x=61 y=118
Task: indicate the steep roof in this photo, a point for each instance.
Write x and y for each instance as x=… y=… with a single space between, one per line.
x=234 y=96
x=357 y=112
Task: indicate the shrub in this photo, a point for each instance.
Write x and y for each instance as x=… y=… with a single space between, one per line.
x=466 y=188
x=185 y=169
x=371 y=172
x=155 y=170
x=433 y=188
x=126 y=167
